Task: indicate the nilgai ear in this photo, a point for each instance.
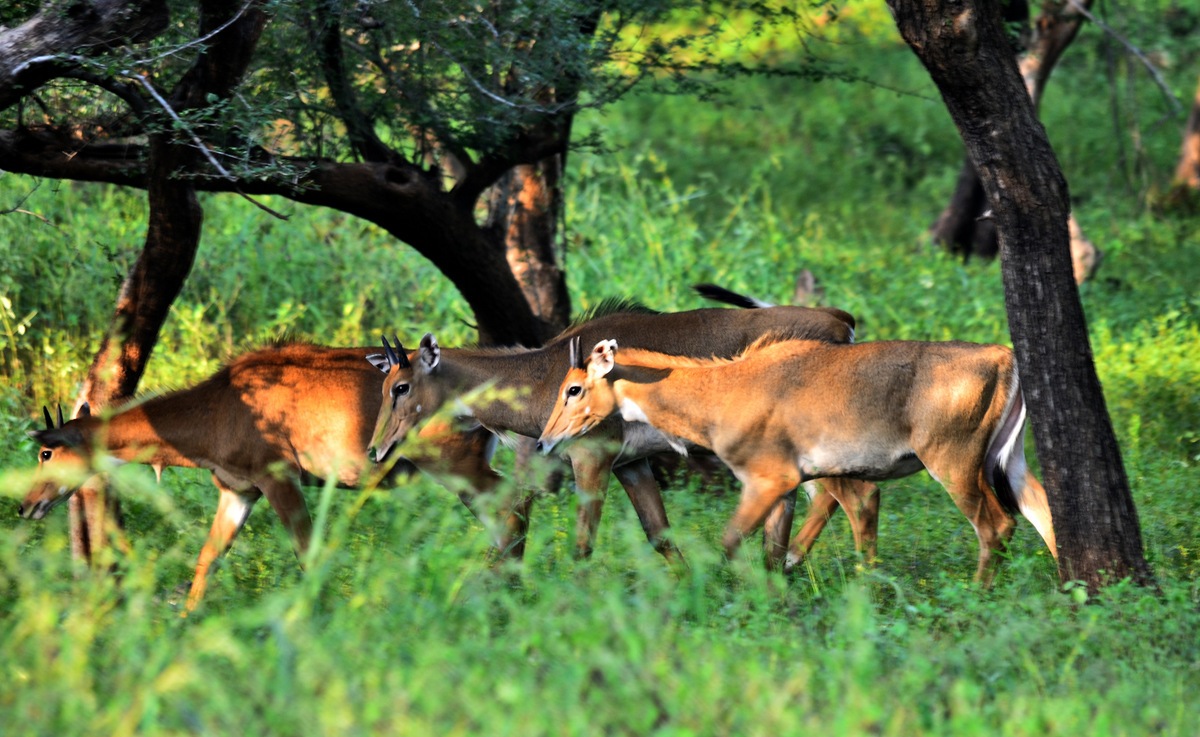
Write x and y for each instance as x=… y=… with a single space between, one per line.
x=573 y=352
x=429 y=355
x=84 y=411
x=601 y=361
x=379 y=361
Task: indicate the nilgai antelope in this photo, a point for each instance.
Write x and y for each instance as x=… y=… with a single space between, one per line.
x=258 y=424
x=420 y=383
x=784 y=412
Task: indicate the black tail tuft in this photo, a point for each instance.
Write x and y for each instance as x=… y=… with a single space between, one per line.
x=1011 y=430
x=1004 y=492
x=721 y=294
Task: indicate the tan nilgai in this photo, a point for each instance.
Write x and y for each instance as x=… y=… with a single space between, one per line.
x=258 y=424
x=784 y=412
x=421 y=382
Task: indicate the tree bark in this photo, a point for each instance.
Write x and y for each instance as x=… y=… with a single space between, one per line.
x=1187 y=171
x=157 y=277
x=961 y=226
x=524 y=210
x=962 y=44
x=28 y=53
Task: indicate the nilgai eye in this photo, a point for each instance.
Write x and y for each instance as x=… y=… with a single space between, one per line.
x=399 y=390
x=47 y=455
x=573 y=391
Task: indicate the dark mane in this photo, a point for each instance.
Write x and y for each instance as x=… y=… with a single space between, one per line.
x=613 y=306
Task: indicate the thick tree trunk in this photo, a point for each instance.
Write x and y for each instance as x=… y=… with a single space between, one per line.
x=962 y=44
x=172 y=236
x=962 y=227
x=1187 y=171
x=524 y=210
x=157 y=277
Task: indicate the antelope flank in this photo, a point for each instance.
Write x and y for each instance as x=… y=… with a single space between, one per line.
x=257 y=424
x=420 y=384
x=784 y=412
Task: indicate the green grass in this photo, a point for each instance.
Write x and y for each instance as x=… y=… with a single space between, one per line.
x=400 y=626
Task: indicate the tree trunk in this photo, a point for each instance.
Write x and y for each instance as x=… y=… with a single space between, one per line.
x=962 y=227
x=962 y=44
x=157 y=277
x=523 y=211
x=172 y=236
x=1187 y=172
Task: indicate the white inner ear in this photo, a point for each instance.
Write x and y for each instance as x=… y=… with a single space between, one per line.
x=379 y=361
x=430 y=357
x=601 y=360
x=429 y=353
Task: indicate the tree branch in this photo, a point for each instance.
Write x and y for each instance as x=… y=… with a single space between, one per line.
x=30 y=54
x=1163 y=87
x=325 y=30
x=205 y=150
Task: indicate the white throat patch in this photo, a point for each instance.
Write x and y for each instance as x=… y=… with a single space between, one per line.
x=631 y=412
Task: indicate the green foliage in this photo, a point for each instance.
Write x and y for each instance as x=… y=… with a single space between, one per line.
x=388 y=634
x=399 y=625
x=332 y=80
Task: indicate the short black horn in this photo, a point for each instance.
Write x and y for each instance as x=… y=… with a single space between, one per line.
x=49 y=419
x=389 y=353
x=403 y=354
x=60 y=419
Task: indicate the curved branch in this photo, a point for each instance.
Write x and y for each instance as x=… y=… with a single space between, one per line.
x=30 y=54
x=126 y=92
x=325 y=30
x=398 y=197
